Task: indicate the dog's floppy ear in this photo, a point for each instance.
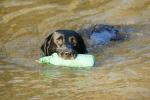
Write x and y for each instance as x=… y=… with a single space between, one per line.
x=80 y=48
x=48 y=46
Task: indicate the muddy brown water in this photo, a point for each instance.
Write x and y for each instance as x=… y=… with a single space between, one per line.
x=122 y=71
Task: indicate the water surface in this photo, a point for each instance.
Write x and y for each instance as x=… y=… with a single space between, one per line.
x=122 y=71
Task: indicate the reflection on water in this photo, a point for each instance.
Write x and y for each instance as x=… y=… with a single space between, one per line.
x=122 y=69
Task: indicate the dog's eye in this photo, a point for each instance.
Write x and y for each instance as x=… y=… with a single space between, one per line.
x=73 y=40
x=60 y=41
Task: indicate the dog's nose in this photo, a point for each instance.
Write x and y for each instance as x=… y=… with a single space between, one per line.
x=67 y=54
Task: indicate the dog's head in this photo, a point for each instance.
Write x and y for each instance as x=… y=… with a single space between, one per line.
x=66 y=43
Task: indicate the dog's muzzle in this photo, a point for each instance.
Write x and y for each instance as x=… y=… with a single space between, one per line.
x=67 y=53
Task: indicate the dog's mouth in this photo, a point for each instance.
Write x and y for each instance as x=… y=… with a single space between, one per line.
x=67 y=54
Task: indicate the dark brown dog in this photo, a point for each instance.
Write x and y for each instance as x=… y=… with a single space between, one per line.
x=66 y=43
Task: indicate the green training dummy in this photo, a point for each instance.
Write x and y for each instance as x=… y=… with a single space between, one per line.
x=82 y=60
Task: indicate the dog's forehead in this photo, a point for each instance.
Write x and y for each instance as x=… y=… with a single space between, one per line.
x=57 y=35
x=65 y=35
